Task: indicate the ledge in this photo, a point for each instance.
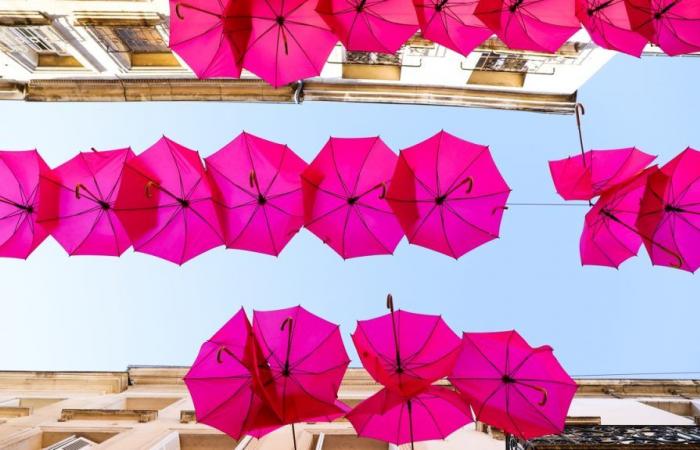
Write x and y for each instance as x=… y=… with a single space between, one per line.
x=140 y=415
x=11 y=412
x=253 y=90
x=99 y=382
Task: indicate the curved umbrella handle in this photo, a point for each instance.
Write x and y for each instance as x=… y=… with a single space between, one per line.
x=382 y=195
x=545 y=397
x=470 y=182
x=286 y=321
x=220 y=351
x=580 y=111
x=77 y=190
x=497 y=208
x=179 y=15
x=147 y=188
x=390 y=302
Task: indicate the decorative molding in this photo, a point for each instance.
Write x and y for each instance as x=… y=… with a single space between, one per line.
x=99 y=382
x=140 y=415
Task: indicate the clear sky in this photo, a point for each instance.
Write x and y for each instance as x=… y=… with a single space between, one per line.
x=90 y=313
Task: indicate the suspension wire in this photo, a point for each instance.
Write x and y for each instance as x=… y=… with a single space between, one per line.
x=547 y=204
x=592 y=375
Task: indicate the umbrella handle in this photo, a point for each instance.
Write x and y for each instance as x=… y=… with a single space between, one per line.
x=544 y=395
x=390 y=302
x=147 y=188
x=77 y=190
x=221 y=350
x=179 y=15
x=382 y=195
x=580 y=111
x=498 y=208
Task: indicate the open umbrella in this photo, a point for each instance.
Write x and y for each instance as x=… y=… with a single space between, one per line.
x=370 y=25
x=608 y=24
x=669 y=218
x=301 y=365
x=221 y=385
x=510 y=385
x=610 y=234
x=535 y=25
x=86 y=187
x=448 y=194
x=344 y=189
x=451 y=23
x=286 y=40
x=201 y=33
x=404 y=351
x=258 y=190
x=22 y=199
x=583 y=177
x=165 y=203
x=673 y=25
x=434 y=413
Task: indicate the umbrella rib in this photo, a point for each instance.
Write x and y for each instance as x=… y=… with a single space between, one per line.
x=324 y=215
x=432 y=416
x=118 y=181
x=271 y=354
x=233 y=183
x=444 y=233
x=177 y=167
x=437 y=167
x=224 y=401
x=387 y=360
x=682 y=194
x=373 y=208
x=345 y=230
x=447 y=206
x=206 y=222
x=362 y=166
x=269 y=231
x=606 y=224
x=320 y=372
x=554 y=427
x=282 y=194
x=321 y=342
x=277 y=171
x=532 y=353
x=409 y=358
x=70 y=216
x=87 y=235
x=486 y=400
x=510 y=416
x=19 y=183
x=218 y=49
x=423 y=221
x=188 y=195
x=476 y=347
x=602 y=252
x=479 y=197
x=21 y=219
x=672 y=230
x=364 y=224
x=183 y=215
x=337 y=171
x=92 y=175
x=250 y=159
x=352 y=25
x=325 y=191
x=415 y=177
x=16 y=212
x=159 y=231
x=540 y=380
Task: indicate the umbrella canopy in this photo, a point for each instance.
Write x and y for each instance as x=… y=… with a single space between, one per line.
x=448 y=194
x=301 y=365
x=258 y=190
x=669 y=219
x=86 y=187
x=287 y=40
x=22 y=200
x=608 y=24
x=370 y=25
x=512 y=386
x=451 y=23
x=165 y=203
x=673 y=25
x=220 y=382
x=610 y=236
x=404 y=351
x=535 y=25
x=201 y=32
x=434 y=413
x=583 y=177
x=344 y=200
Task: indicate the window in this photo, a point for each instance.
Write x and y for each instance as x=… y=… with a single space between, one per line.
x=206 y=441
x=135 y=46
x=345 y=442
x=36 y=47
x=20 y=407
x=372 y=66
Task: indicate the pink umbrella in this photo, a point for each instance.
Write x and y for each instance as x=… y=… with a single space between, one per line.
x=609 y=235
x=608 y=24
x=86 y=187
x=535 y=25
x=669 y=218
x=344 y=191
x=673 y=25
x=434 y=413
x=451 y=23
x=512 y=386
x=583 y=177
x=201 y=32
x=405 y=351
x=165 y=203
x=258 y=188
x=22 y=199
x=220 y=382
x=370 y=25
x=302 y=366
x=448 y=194
x=287 y=40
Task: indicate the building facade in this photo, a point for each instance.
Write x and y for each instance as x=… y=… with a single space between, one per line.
x=148 y=408
x=117 y=50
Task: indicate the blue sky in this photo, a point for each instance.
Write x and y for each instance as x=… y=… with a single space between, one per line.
x=89 y=313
